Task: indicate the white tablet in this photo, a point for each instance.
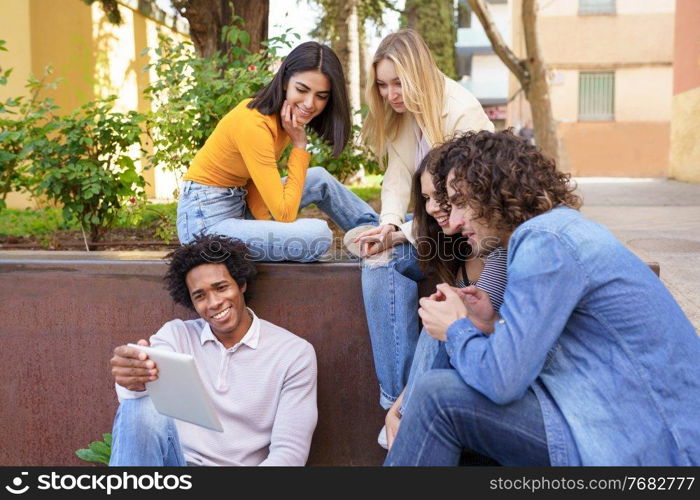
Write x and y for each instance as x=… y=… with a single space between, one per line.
x=179 y=391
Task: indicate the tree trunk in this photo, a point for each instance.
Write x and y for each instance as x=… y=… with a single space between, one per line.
x=364 y=61
x=537 y=92
x=531 y=72
x=353 y=66
x=346 y=45
x=207 y=18
x=434 y=20
x=255 y=14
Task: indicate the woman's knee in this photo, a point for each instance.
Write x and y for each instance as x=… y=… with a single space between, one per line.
x=318 y=177
x=315 y=240
x=317 y=174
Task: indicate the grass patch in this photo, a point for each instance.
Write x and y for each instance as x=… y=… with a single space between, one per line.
x=47 y=221
x=16 y=223
x=370 y=189
x=367 y=193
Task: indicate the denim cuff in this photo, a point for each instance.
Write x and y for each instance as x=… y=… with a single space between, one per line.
x=459 y=333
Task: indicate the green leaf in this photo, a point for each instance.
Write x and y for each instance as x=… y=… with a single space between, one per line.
x=99 y=448
x=89 y=456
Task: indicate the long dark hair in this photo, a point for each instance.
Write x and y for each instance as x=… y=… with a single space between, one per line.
x=436 y=250
x=333 y=124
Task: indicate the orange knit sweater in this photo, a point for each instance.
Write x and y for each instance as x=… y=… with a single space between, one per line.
x=243 y=151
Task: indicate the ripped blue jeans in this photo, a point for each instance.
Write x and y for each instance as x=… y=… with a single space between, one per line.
x=390 y=293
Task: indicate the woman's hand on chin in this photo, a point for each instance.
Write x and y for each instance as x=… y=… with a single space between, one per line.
x=291 y=125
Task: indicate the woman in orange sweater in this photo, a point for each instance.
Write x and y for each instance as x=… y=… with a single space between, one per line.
x=233 y=186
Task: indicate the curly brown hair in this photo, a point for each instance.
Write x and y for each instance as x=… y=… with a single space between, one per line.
x=502 y=178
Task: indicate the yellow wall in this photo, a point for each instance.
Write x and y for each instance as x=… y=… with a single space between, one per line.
x=14 y=29
x=685 y=136
x=563 y=92
x=61 y=33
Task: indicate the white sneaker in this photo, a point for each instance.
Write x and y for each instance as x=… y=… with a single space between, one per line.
x=350 y=246
x=381 y=439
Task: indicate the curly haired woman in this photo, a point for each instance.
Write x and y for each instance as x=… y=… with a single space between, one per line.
x=590 y=362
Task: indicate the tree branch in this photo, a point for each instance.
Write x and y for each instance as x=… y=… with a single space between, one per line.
x=532 y=48
x=515 y=65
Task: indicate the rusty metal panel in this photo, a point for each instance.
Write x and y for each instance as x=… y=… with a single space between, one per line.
x=62 y=318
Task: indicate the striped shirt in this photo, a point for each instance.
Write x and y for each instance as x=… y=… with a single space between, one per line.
x=263 y=390
x=494 y=278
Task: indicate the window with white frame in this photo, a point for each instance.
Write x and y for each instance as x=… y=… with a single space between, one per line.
x=591 y=7
x=596 y=96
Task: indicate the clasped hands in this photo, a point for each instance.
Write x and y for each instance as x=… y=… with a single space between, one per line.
x=449 y=304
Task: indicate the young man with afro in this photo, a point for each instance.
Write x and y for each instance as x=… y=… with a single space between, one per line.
x=260 y=377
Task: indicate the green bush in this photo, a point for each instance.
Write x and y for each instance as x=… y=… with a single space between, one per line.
x=87 y=167
x=354 y=157
x=23 y=120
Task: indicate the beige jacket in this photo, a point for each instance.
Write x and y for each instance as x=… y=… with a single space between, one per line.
x=461 y=112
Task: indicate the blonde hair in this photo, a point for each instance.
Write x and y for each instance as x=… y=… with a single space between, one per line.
x=422 y=87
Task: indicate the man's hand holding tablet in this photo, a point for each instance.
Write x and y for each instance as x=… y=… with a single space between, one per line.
x=132 y=368
x=179 y=392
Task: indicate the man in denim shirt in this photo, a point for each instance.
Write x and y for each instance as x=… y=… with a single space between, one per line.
x=591 y=361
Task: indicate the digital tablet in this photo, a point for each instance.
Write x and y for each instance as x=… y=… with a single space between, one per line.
x=179 y=391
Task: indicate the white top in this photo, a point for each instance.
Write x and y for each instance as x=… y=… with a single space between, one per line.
x=263 y=389
x=422 y=146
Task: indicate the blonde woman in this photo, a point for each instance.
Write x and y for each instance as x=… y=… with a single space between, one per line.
x=412 y=107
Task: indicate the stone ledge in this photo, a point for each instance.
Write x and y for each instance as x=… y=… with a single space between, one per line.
x=64 y=314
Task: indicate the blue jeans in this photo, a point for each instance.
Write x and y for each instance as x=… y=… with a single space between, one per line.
x=424 y=359
x=390 y=292
x=143 y=437
x=447 y=416
x=224 y=211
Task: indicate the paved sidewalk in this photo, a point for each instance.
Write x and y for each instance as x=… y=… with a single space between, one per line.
x=659 y=220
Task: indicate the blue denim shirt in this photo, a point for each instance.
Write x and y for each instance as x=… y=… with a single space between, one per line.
x=614 y=361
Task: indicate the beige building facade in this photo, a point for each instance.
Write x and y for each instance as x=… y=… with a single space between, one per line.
x=92 y=57
x=610 y=66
